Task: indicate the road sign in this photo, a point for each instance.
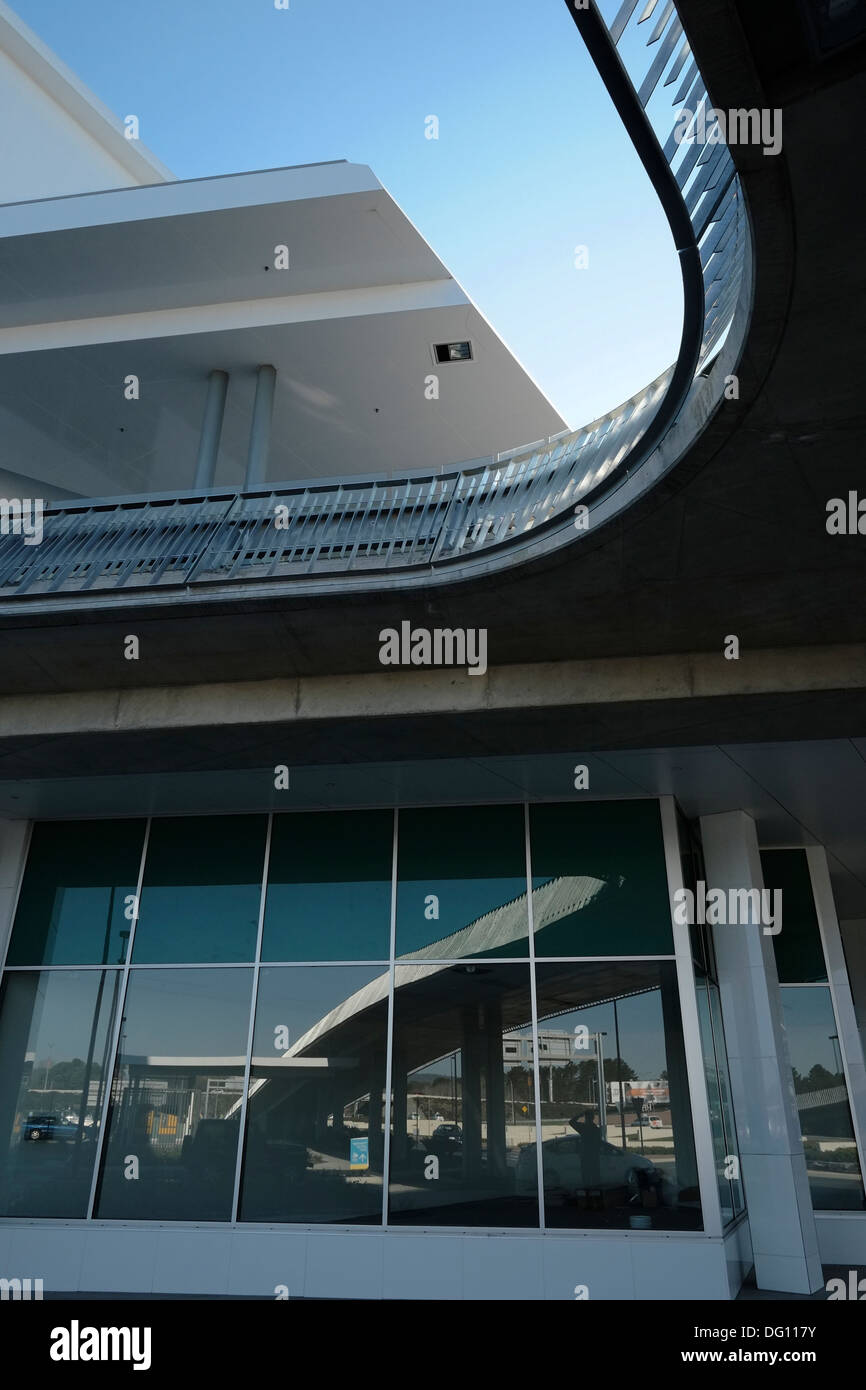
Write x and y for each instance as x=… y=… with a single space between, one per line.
x=359 y=1155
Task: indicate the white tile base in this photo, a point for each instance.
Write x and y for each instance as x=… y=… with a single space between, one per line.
x=413 y=1264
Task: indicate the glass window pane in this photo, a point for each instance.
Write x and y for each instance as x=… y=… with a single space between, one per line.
x=731 y=1140
x=79 y=882
x=711 y=1076
x=623 y=1092
x=314 y=1142
x=55 y=1030
x=171 y=1148
x=725 y=1150
x=329 y=887
x=202 y=890
x=463 y=1147
x=462 y=883
x=832 y=1162
x=599 y=885
x=799 y=954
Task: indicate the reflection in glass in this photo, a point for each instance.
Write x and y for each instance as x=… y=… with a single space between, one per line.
x=171 y=1148
x=718 y=1093
x=462 y=883
x=731 y=1140
x=617 y=1140
x=202 y=889
x=329 y=887
x=55 y=1029
x=599 y=881
x=314 y=1141
x=463 y=1149
x=832 y=1161
x=76 y=897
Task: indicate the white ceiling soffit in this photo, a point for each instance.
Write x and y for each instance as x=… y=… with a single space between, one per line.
x=203 y=243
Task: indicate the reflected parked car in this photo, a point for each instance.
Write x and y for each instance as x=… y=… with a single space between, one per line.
x=447 y=1131
x=40 y=1128
x=446 y=1142
x=563 y=1167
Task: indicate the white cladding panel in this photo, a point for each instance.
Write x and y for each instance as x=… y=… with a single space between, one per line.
x=46 y=153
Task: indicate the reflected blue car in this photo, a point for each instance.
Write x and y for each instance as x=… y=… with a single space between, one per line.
x=40 y=1128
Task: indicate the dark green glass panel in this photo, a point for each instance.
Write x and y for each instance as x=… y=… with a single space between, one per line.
x=461 y=888
x=832 y=1162
x=799 y=955
x=463 y=1149
x=55 y=1034
x=691 y=872
x=173 y=1128
x=202 y=890
x=599 y=884
x=79 y=883
x=614 y=1108
x=315 y=1120
x=329 y=887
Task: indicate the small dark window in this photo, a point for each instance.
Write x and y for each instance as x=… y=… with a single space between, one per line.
x=453 y=352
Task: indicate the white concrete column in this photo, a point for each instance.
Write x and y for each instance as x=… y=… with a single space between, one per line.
x=211 y=429
x=260 y=429
x=14 y=841
x=782 y=1222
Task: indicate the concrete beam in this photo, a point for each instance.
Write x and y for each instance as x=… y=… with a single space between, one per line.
x=219 y=318
x=402 y=693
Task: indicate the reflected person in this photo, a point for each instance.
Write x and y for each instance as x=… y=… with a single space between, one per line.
x=590 y=1150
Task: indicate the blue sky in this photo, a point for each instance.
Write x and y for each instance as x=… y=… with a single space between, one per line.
x=531 y=159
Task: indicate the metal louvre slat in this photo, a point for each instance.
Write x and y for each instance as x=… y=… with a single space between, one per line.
x=686 y=168
x=692 y=101
x=692 y=76
x=86 y=551
x=660 y=62
x=624 y=14
x=678 y=63
x=712 y=167
x=706 y=215
x=662 y=23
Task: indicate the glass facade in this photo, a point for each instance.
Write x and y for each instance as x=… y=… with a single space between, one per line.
x=315 y=1118
x=826 y=1126
x=618 y=1149
x=174 y=1112
x=55 y=1039
x=349 y=1018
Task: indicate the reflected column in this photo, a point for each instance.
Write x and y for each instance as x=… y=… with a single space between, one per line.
x=376 y=1084
x=472 y=1063
x=496 y=1139
x=399 y=1106
x=678 y=1079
